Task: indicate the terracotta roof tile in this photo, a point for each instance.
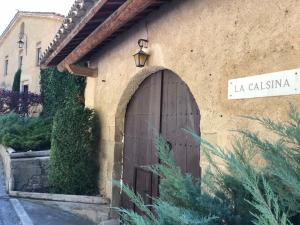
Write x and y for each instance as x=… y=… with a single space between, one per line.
x=85 y=17
x=78 y=10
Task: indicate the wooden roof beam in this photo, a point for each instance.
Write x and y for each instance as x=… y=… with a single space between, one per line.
x=120 y=17
x=76 y=30
x=82 y=71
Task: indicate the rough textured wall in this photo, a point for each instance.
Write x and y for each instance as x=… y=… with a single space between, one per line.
x=4 y=157
x=206 y=43
x=30 y=174
x=27 y=171
x=37 y=30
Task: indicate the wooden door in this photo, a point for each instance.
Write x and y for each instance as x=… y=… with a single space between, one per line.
x=179 y=110
x=162 y=103
x=142 y=117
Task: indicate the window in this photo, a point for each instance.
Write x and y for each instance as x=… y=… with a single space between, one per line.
x=6 y=66
x=20 y=61
x=38 y=56
x=25 y=88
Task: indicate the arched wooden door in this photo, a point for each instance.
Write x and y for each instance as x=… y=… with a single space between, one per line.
x=162 y=102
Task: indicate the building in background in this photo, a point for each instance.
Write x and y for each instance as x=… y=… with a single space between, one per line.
x=21 y=44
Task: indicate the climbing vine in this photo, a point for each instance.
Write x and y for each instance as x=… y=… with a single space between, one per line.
x=58 y=88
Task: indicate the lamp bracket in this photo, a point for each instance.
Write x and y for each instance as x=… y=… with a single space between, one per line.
x=143 y=43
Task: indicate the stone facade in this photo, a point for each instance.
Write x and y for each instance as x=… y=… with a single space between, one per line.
x=25 y=171
x=39 y=29
x=206 y=43
x=30 y=174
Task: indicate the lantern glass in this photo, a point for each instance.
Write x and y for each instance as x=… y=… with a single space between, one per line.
x=140 y=58
x=20 y=43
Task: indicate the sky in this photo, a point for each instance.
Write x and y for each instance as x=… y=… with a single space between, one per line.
x=9 y=8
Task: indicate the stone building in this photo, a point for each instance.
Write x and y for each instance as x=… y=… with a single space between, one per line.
x=21 y=44
x=197 y=49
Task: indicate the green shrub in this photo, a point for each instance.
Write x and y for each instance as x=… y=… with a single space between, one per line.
x=242 y=193
x=23 y=134
x=59 y=88
x=181 y=199
x=73 y=163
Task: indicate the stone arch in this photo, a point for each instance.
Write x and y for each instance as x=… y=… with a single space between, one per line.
x=126 y=96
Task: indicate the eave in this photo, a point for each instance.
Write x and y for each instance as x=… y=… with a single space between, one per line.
x=105 y=20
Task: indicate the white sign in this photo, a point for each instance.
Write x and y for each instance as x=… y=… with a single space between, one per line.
x=271 y=84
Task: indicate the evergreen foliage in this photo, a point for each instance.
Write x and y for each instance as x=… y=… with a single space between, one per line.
x=17 y=81
x=59 y=88
x=282 y=157
x=273 y=189
x=73 y=163
x=23 y=134
x=181 y=200
x=241 y=193
x=266 y=209
x=13 y=105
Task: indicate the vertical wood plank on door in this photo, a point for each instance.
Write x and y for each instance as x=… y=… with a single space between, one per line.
x=180 y=111
x=142 y=118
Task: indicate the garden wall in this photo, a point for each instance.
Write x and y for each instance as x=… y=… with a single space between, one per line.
x=26 y=171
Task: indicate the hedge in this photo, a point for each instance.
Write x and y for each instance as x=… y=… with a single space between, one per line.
x=73 y=163
x=23 y=133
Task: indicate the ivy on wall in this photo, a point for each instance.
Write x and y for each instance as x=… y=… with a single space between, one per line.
x=58 y=88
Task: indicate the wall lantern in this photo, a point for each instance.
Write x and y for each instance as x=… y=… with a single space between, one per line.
x=141 y=57
x=21 y=43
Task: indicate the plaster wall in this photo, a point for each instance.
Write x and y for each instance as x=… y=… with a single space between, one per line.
x=206 y=43
x=39 y=31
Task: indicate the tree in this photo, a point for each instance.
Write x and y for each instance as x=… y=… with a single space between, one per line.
x=14 y=104
x=17 y=81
